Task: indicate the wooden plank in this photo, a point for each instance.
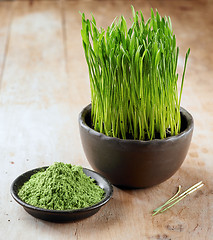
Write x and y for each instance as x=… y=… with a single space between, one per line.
x=6 y=11
x=36 y=120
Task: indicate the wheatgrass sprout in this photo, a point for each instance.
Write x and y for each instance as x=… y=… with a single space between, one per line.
x=133 y=78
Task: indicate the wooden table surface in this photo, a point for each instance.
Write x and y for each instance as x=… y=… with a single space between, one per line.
x=44 y=85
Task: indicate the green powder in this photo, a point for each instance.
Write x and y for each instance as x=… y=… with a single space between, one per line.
x=61 y=187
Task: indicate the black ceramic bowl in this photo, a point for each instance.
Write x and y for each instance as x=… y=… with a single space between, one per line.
x=135 y=163
x=62 y=216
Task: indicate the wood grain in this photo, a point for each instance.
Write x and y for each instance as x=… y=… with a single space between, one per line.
x=6 y=11
x=44 y=85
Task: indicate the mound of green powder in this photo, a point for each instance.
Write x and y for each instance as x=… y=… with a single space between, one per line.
x=61 y=187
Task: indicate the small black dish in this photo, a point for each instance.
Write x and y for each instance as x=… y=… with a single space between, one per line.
x=58 y=215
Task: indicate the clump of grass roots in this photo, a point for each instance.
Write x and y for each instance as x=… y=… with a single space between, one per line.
x=133 y=77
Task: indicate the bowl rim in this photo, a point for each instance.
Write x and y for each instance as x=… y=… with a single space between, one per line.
x=106 y=198
x=183 y=111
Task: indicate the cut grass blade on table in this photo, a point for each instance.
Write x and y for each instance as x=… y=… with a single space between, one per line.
x=133 y=78
x=177 y=198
